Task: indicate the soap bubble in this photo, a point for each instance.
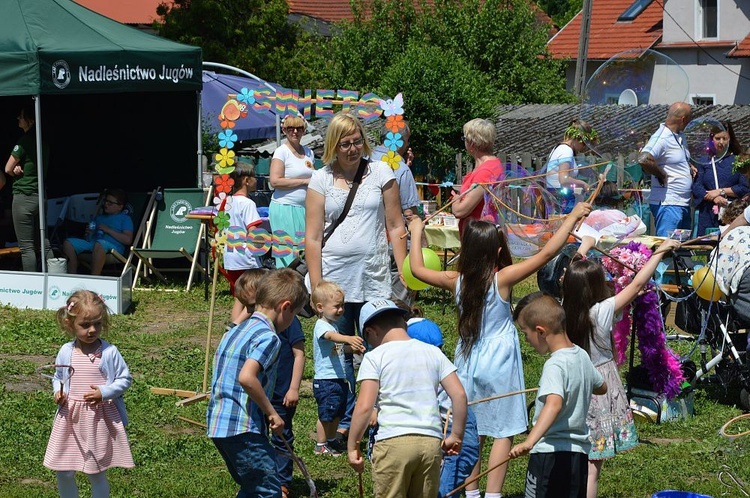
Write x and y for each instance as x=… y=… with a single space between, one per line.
x=699 y=134
x=631 y=78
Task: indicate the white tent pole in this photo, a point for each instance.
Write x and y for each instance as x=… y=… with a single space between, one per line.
x=40 y=180
x=252 y=76
x=200 y=141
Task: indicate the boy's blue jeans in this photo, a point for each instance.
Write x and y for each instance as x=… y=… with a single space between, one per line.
x=668 y=218
x=457 y=468
x=251 y=463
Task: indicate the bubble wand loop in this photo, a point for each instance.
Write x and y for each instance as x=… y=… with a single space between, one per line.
x=541 y=175
x=66 y=372
x=446 y=206
x=724 y=470
x=482 y=474
x=302 y=467
x=732 y=437
x=605 y=253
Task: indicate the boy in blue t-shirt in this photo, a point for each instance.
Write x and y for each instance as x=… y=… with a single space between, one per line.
x=330 y=386
x=245 y=365
x=114 y=230
x=559 y=441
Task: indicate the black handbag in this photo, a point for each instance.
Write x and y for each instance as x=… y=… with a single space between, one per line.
x=299 y=264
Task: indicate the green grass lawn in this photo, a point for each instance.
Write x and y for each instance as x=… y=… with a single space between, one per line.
x=163 y=340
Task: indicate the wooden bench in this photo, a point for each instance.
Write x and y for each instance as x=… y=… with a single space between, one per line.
x=10 y=251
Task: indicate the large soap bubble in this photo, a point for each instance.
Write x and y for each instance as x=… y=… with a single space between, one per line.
x=699 y=138
x=631 y=78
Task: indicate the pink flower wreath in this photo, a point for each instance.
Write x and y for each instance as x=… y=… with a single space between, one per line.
x=661 y=363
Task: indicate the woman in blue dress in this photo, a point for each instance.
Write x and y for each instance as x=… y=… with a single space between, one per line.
x=488 y=354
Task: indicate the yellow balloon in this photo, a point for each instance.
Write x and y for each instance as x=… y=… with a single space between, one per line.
x=705 y=285
x=431 y=261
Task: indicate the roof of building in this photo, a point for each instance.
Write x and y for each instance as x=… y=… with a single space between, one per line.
x=607 y=35
x=742 y=49
x=125 y=12
x=536 y=129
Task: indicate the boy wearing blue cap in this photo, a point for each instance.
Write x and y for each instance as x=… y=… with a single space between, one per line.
x=402 y=376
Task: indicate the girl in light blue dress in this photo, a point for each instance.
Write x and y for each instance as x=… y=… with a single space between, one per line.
x=488 y=354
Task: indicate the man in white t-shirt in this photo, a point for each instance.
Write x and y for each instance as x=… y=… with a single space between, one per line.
x=666 y=158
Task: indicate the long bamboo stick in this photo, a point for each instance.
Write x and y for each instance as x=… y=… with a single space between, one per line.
x=479 y=476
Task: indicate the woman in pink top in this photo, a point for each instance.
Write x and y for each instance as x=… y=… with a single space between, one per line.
x=479 y=139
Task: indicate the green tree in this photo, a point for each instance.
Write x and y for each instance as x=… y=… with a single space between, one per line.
x=252 y=34
x=457 y=93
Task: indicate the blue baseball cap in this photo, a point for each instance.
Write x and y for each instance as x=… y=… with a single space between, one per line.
x=372 y=309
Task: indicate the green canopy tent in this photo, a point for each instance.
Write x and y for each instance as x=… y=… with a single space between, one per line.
x=116 y=107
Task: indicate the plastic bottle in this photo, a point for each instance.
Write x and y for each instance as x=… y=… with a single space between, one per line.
x=92 y=231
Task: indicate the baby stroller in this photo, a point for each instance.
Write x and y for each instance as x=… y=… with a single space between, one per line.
x=718 y=328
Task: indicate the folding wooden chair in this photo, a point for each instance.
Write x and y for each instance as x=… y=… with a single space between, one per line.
x=171 y=235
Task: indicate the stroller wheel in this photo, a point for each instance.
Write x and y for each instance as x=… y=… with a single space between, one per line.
x=745 y=399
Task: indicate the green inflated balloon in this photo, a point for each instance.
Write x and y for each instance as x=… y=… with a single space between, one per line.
x=431 y=261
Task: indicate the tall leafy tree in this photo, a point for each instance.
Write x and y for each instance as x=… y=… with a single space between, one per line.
x=251 y=34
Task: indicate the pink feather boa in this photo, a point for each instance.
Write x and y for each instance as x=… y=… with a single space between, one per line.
x=661 y=363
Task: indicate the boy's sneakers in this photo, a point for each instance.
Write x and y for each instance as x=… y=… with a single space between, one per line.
x=338 y=444
x=324 y=449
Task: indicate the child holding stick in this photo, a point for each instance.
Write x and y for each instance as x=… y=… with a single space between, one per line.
x=591 y=311
x=558 y=442
x=488 y=355
x=239 y=411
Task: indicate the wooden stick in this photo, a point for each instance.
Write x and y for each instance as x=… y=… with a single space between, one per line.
x=191 y=421
x=499 y=396
x=302 y=467
x=207 y=361
x=173 y=392
x=705 y=238
x=447 y=205
x=607 y=254
x=193 y=399
x=474 y=479
x=361 y=487
x=590 y=200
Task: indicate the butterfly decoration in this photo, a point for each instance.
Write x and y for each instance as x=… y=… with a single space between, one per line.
x=393 y=106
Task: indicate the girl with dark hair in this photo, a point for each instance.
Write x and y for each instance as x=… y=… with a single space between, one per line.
x=714 y=190
x=488 y=354
x=590 y=313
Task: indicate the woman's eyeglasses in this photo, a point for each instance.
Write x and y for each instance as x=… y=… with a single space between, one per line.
x=298 y=129
x=348 y=145
x=111 y=202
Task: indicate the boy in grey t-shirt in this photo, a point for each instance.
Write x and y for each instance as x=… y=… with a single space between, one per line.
x=558 y=442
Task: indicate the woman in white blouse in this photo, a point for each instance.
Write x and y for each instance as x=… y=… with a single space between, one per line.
x=291 y=168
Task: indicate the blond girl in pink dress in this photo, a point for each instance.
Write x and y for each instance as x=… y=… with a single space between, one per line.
x=88 y=434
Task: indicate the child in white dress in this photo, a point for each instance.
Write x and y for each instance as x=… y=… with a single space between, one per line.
x=88 y=434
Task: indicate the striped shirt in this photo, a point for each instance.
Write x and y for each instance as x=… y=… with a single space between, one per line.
x=230 y=409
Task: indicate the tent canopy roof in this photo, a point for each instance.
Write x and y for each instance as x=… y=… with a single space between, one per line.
x=60 y=47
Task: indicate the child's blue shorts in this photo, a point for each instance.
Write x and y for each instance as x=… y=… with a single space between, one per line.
x=82 y=245
x=330 y=394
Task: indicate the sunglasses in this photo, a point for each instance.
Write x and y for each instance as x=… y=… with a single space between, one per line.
x=298 y=129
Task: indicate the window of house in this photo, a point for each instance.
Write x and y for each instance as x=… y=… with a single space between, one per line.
x=634 y=10
x=703 y=100
x=708 y=19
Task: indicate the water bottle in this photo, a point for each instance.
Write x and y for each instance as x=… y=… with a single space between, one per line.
x=92 y=231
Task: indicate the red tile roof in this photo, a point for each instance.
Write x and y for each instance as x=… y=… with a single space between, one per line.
x=742 y=49
x=125 y=11
x=607 y=36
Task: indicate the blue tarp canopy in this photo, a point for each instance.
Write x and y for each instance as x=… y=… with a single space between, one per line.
x=216 y=87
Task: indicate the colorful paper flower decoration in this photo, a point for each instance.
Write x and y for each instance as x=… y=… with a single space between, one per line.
x=227 y=138
x=225 y=157
x=393 y=141
x=392 y=106
x=221 y=220
x=394 y=123
x=247 y=96
x=392 y=159
x=224 y=184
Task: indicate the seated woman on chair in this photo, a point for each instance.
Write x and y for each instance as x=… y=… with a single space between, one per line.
x=114 y=230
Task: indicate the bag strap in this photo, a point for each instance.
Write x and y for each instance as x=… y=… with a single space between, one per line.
x=349 y=199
